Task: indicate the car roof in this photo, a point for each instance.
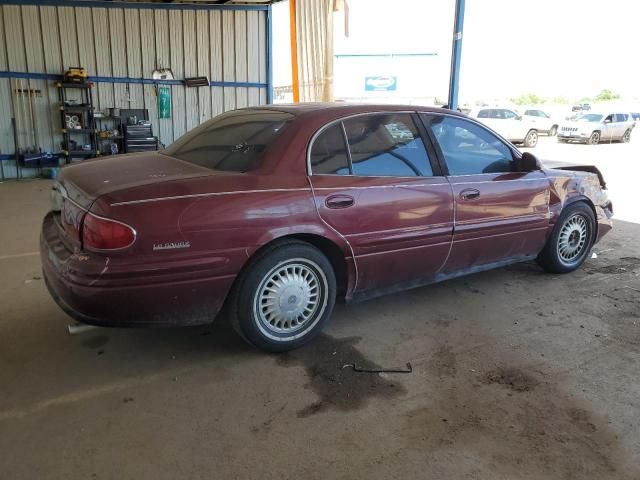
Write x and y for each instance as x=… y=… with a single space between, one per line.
x=343 y=108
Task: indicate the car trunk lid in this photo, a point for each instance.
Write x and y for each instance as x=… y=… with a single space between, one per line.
x=85 y=182
x=80 y=185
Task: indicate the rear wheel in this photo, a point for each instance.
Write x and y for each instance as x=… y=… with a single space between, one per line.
x=594 y=139
x=553 y=131
x=626 y=138
x=571 y=240
x=531 y=140
x=283 y=297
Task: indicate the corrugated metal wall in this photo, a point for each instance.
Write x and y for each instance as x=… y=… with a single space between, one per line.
x=226 y=45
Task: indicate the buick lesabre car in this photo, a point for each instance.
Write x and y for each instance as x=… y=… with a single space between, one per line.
x=269 y=214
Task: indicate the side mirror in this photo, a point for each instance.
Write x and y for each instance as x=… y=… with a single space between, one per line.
x=529 y=163
x=607 y=120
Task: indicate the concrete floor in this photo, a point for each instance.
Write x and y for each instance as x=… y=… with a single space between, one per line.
x=517 y=374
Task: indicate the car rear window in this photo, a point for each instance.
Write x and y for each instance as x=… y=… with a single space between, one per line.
x=232 y=142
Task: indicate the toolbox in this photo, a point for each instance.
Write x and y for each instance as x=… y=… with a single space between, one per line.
x=139 y=138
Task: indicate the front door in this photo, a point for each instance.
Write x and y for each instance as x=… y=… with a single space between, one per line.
x=374 y=182
x=501 y=214
x=608 y=128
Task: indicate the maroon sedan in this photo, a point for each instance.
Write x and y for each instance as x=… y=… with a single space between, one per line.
x=273 y=212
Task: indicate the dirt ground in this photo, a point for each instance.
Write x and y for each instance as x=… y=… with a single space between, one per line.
x=517 y=374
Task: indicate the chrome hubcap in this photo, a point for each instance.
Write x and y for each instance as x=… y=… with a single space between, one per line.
x=573 y=238
x=289 y=297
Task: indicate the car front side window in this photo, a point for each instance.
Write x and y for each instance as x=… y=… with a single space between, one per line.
x=468 y=148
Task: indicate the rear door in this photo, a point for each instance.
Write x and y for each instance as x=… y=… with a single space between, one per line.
x=501 y=214
x=622 y=123
x=376 y=182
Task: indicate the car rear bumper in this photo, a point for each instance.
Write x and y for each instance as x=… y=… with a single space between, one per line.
x=94 y=289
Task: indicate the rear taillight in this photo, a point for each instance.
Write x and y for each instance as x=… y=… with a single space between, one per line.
x=99 y=233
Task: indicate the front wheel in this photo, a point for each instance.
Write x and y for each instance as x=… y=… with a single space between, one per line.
x=594 y=139
x=283 y=297
x=531 y=140
x=571 y=240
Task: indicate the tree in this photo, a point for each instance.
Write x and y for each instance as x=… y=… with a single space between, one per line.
x=606 y=95
x=528 y=99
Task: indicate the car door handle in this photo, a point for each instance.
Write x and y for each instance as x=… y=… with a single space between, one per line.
x=469 y=194
x=339 y=201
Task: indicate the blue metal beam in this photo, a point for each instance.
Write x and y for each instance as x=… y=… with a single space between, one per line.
x=134 y=80
x=269 y=55
x=456 y=53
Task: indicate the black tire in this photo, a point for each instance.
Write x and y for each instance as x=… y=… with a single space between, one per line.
x=562 y=140
x=251 y=308
x=564 y=237
x=553 y=131
x=531 y=139
x=626 y=138
x=594 y=138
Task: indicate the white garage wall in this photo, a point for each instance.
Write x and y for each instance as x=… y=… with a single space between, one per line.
x=227 y=44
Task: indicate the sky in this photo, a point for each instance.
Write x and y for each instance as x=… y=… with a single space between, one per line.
x=569 y=48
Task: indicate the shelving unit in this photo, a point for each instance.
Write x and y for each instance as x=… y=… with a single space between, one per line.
x=116 y=125
x=87 y=130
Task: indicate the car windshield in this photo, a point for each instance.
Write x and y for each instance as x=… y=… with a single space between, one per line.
x=589 y=117
x=232 y=142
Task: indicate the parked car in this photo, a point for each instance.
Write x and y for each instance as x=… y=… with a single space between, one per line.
x=636 y=118
x=509 y=124
x=542 y=121
x=593 y=128
x=274 y=212
x=583 y=107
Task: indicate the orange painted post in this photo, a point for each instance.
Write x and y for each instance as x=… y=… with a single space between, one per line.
x=294 y=51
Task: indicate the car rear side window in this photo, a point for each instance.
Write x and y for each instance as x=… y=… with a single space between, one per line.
x=233 y=142
x=484 y=114
x=329 y=153
x=387 y=145
x=468 y=148
x=621 y=117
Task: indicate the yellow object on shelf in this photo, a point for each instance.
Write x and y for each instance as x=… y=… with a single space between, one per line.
x=75 y=74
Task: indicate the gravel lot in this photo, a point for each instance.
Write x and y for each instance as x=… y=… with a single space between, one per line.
x=517 y=374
